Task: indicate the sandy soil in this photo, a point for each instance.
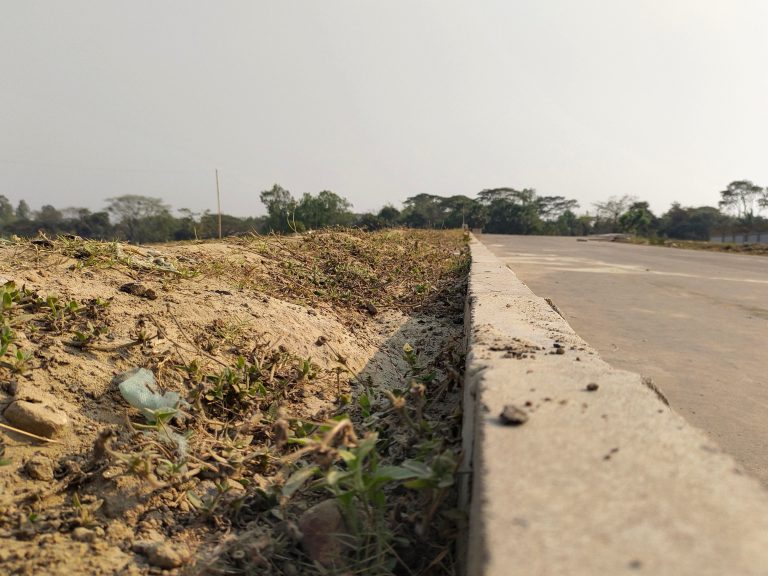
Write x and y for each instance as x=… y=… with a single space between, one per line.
x=76 y=504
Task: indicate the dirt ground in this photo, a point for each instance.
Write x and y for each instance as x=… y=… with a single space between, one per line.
x=317 y=425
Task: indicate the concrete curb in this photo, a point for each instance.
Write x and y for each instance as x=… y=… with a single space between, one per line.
x=597 y=481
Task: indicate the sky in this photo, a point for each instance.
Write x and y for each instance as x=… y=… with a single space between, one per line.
x=665 y=100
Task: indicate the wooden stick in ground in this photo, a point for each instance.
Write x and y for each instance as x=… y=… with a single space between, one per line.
x=35 y=436
x=218 y=200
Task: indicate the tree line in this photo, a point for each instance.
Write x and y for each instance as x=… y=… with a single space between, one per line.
x=143 y=219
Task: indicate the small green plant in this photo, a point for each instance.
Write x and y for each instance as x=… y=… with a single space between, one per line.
x=351 y=469
x=10 y=298
x=88 y=335
x=21 y=361
x=6 y=339
x=85 y=513
x=209 y=506
x=3 y=460
x=59 y=314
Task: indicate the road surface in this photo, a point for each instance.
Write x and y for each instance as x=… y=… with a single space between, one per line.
x=695 y=322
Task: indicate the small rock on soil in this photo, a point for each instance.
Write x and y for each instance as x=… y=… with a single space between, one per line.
x=513 y=416
x=37 y=418
x=324 y=530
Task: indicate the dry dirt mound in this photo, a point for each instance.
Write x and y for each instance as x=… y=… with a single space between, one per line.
x=315 y=427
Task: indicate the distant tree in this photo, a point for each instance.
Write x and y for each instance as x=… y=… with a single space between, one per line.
x=744 y=198
x=762 y=201
x=49 y=219
x=324 y=210
x=7 y=215
x=423 y=211
x=389 y=215
x=280 y=207
x=569 y=224
x=188 y=225
x=552 y=207
x=523 y=197
x=141 y=218
x=90 y=225
x=609 y=211
x=19 y=222
x=22 y=211
x=370 y=222
x=508 y=217
x=692 y=223
x=638 y=219
x=477 y=215
x=457 y=210
x=510 y=211
x=230 y=225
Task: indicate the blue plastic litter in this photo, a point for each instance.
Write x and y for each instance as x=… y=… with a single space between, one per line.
x=140 y=390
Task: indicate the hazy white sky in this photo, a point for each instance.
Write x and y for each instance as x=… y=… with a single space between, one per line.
x=377 y=101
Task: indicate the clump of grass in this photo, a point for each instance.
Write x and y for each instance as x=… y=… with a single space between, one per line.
x=390 y=461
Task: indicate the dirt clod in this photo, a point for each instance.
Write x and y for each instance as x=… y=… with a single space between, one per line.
x=39 y=467
x=161 y=554
x=42 y=242
x=138 y=289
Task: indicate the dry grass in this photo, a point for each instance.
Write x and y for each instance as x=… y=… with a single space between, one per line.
x=354 y=270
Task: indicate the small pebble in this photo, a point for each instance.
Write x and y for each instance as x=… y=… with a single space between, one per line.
x=371 y=308
x=513 y=416
x=161 y=554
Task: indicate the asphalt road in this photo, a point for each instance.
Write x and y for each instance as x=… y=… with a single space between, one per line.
x=695 y=322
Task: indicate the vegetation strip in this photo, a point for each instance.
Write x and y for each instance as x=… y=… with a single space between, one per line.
x=504 y=210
